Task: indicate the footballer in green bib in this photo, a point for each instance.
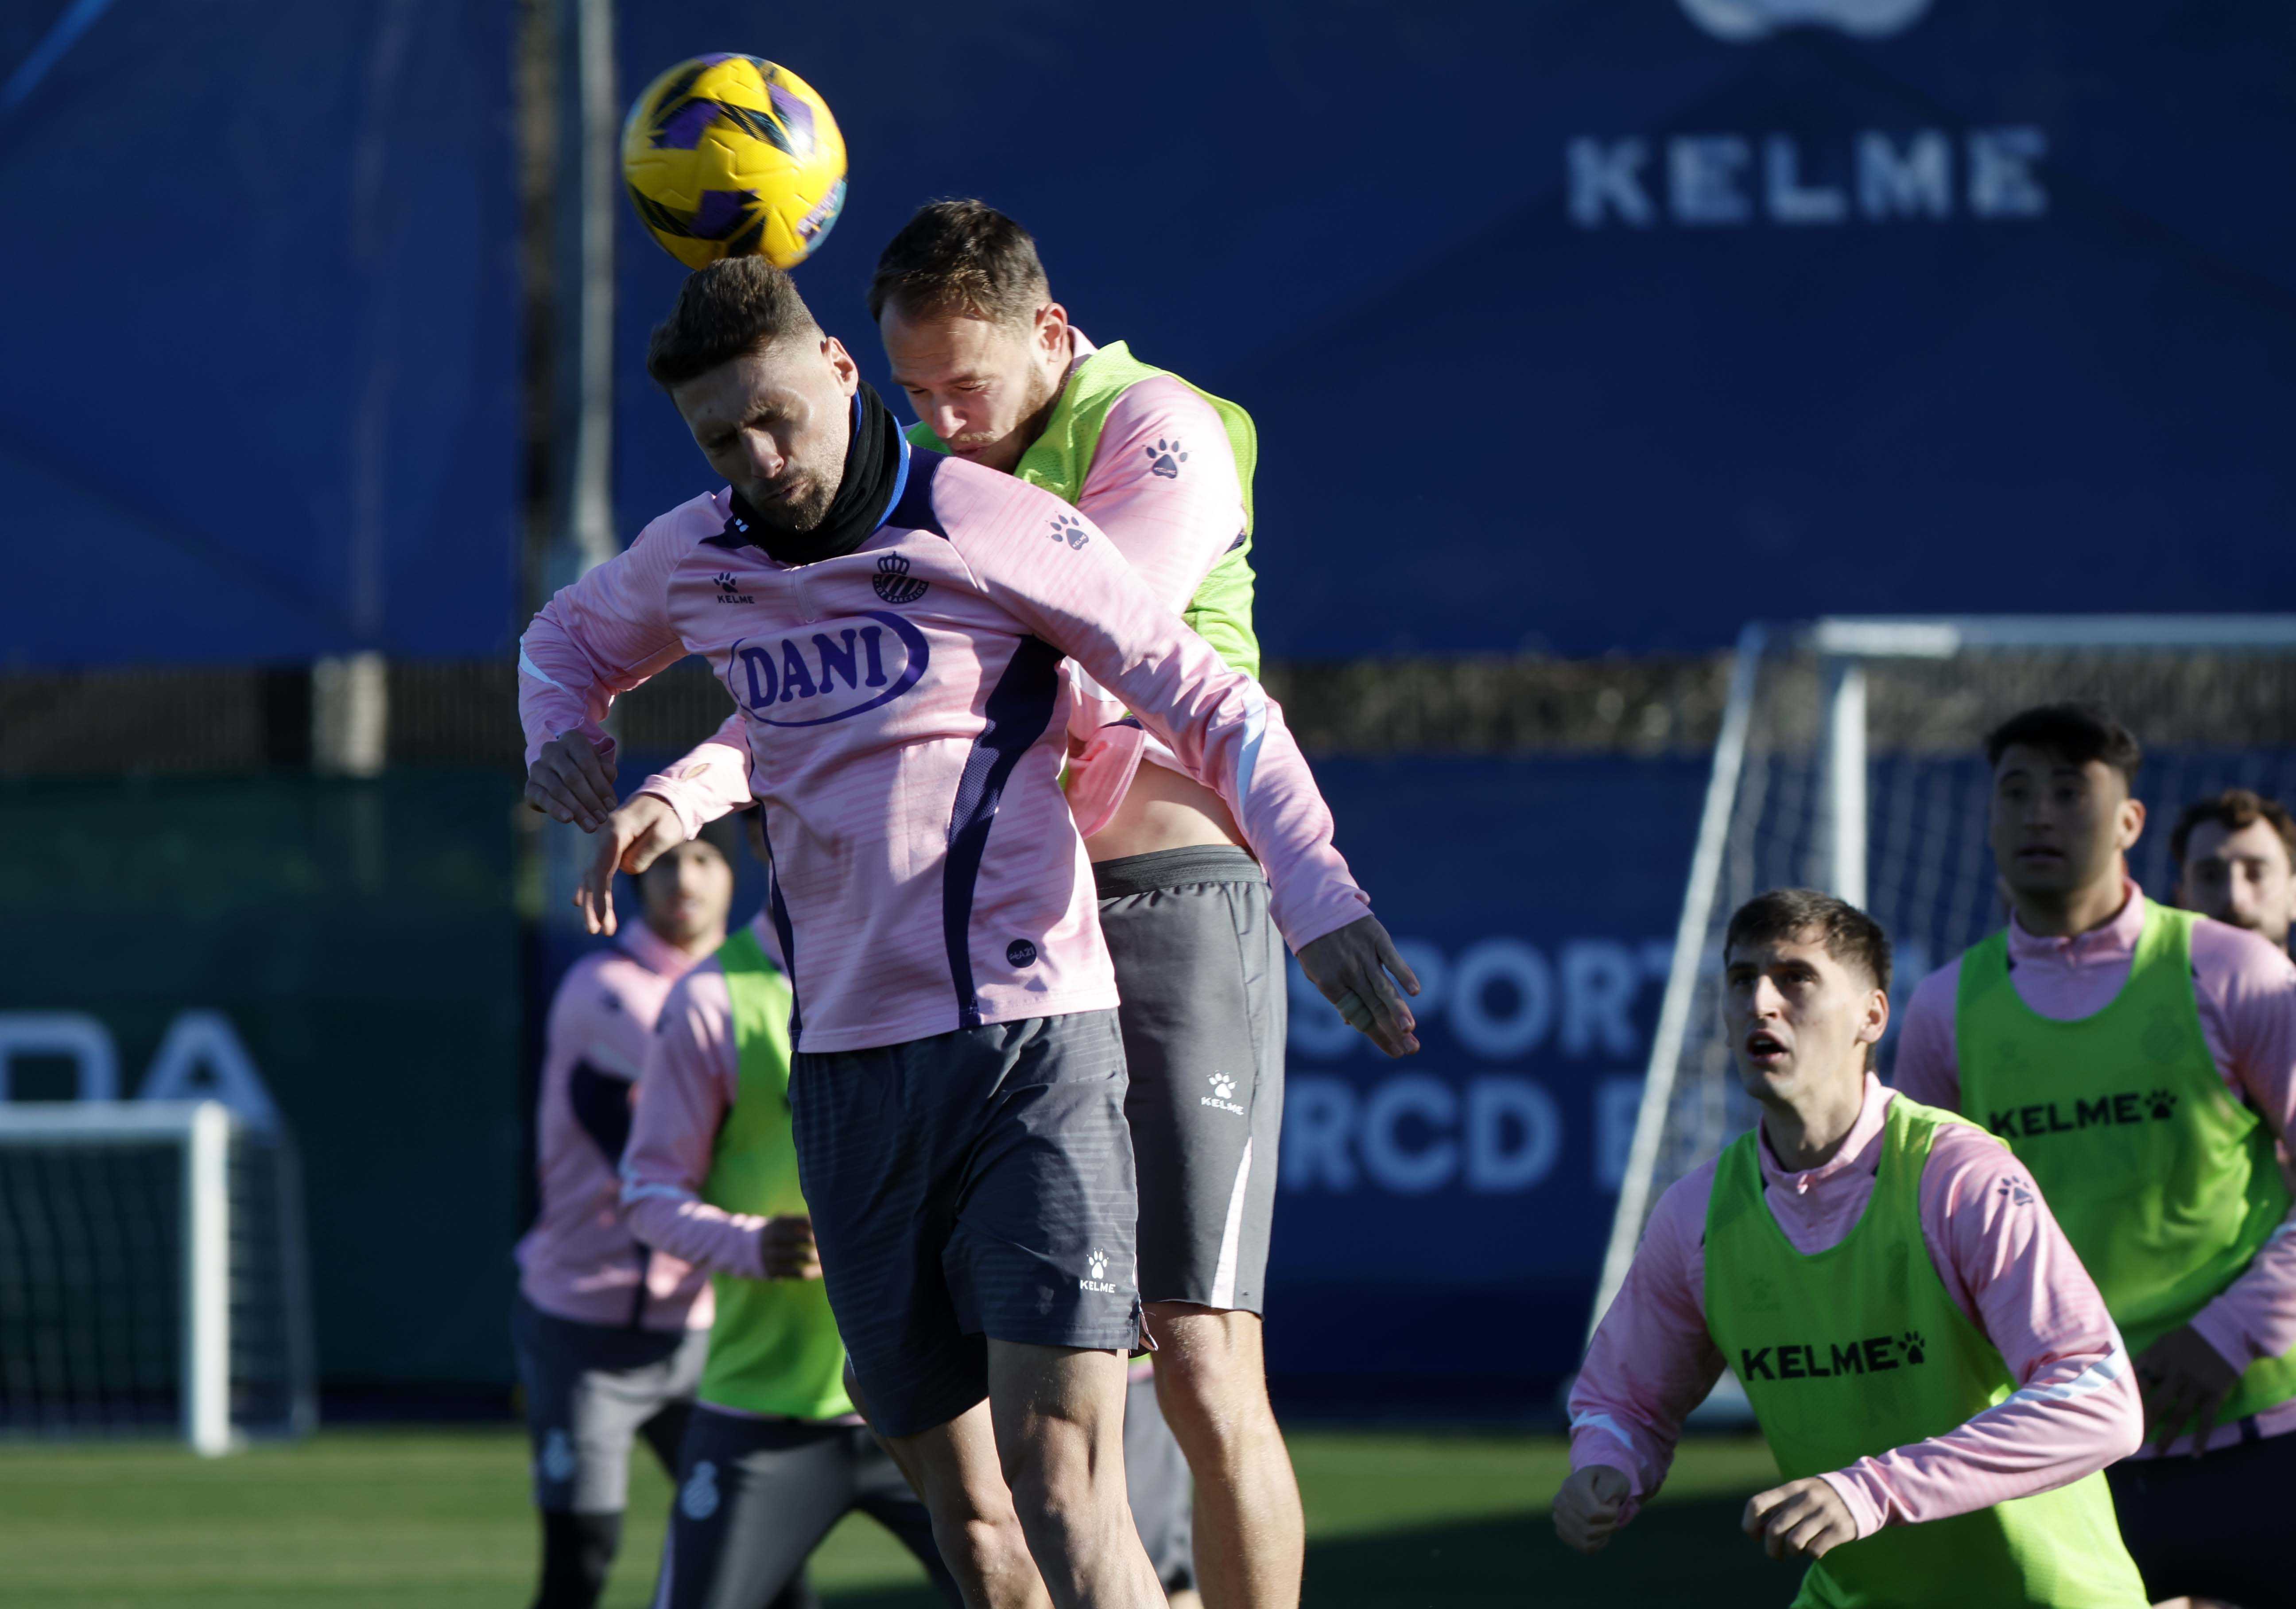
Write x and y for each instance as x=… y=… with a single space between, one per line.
x=1845 y=1337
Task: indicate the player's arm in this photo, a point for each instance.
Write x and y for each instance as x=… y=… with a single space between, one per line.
x=1927 y=1068
x=1078 y=595
x=2007 y=1264
x=1650 y=1363
x=669 y=807
x=2188 y=1372
x=692 y=1075
x=1170 y=527
x=593 y=641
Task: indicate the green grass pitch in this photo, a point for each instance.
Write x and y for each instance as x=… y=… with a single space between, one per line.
x=384 y=1518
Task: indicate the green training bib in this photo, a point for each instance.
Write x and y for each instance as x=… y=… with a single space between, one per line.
x=2165 y=1183
x=1848 y=1352
x=774 y=1348
x=1220 y=612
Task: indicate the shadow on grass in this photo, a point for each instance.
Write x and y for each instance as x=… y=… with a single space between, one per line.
x=1677 y=1553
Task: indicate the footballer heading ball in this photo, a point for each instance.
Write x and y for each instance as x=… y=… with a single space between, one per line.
x=730 y=156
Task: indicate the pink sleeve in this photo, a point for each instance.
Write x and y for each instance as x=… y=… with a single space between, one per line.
x=597 y=639
x=712 y=780
x=2007 y=1266
x=2249 y=988
x=1173 y=526
x=1927 y=1068
x=1079 y=596
x=1651 y=1360
x=691 y=1076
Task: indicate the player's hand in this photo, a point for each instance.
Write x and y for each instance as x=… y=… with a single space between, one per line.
x=635 y=837
x=2185 y=1382
x=1804 y=1519
x=786 y=1249
x=1351 y=968
x=568 y=782
x=1587 y=1509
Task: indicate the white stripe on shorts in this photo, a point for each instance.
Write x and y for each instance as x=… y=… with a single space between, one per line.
x=1232 y=1236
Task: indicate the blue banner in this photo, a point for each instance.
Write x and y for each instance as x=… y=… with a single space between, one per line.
x=1582 y=327
x=261 y=342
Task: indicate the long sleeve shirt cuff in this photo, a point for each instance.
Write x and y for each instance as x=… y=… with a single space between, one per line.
x=1864 y=1513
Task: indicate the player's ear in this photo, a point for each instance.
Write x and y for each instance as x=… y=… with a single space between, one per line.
x=2132 y=822
x=840 y=361
x=1875 y=1022
x=1052 y=331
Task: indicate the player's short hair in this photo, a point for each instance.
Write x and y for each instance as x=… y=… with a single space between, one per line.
x=736 y=305
x=961 y=257
x=2232 y=810
x=1846 y=933
x=2077 y=732
x=723 y=835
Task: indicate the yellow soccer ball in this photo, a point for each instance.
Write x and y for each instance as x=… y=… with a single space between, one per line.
x=730 y=156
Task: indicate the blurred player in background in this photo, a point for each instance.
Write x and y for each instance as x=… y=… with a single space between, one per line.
x=2142 y=1061
x=1929 y=1361
x=773 y=1453
x=610 y=1335
x=958 y=1074
x=2235 y=858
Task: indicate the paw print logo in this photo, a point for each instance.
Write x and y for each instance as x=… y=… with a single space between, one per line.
x=1095 y=1267
x=2162 y=1103
x=1069 y=529
x=1915 y=1346
x=2013 y=1191
x=726 y=582
x=1165 y=458
x=1223 y=1086
x=698 y=1497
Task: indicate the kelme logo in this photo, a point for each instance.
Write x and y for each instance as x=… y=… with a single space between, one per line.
x=2071 y=1117
x=808 y=678
x=1829 y=1359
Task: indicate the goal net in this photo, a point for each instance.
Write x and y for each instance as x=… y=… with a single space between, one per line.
x=151 y=1274
x=1849 y=759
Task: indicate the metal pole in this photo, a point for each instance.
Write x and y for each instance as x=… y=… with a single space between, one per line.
x=207 y=1280
x=1843 y=844
x=1682 y=977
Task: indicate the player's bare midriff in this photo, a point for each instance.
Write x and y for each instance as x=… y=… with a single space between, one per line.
x=1163 y=810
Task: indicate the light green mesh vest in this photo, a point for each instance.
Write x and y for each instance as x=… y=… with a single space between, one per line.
x=1851 y=1351
x=2165 y=1184
x=774 y=1348
x=1220 y=612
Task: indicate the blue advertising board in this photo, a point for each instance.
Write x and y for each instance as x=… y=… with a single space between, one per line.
x=260 y=339
x=1583 y=327
x=1440 y=1220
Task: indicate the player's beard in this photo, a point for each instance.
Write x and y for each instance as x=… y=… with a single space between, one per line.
x=804 y=513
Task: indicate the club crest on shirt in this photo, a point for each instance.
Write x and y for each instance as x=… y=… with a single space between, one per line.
x=894 y=583
x=845 y=667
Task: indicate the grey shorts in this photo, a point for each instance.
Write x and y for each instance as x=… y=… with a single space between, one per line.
x=973 y=1186
x=1200 y=965
x=755 y=1496
x=591 y=1389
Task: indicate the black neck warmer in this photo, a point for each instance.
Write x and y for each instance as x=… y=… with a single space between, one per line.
x=872 y=464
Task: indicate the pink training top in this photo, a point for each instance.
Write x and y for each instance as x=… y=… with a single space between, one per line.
x=2004 y=1261
x=1172 y=520
x=2246 y=992
x=693 y=1078
x=907 y=718
x=579 y=1261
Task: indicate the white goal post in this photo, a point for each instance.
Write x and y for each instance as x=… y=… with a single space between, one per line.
x=1848 y=760
x=151 y=1274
